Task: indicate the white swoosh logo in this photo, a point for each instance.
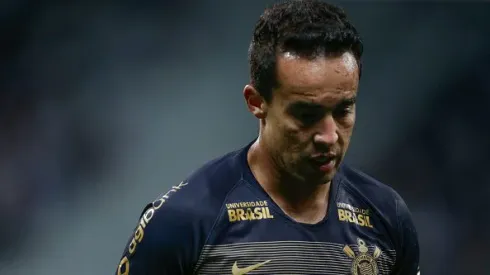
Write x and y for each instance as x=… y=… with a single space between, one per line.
x=235 y=270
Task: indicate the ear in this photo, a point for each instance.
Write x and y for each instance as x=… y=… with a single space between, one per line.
x=255 y=102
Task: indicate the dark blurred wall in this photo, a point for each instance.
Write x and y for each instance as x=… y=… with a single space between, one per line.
x=104 y=106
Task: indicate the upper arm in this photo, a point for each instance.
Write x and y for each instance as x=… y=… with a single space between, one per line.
x=165 y=241
x=408 y=245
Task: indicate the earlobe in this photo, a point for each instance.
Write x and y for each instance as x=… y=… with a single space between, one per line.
x=255 y=102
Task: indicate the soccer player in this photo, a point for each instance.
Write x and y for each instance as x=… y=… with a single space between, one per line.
x=285 y=203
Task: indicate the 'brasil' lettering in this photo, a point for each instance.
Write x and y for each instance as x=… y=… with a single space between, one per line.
x=249 y=214
x=359 y=219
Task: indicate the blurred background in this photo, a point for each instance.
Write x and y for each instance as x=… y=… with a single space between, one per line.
x=104 y=106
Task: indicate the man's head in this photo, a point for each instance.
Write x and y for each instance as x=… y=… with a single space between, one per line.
x=305 y=63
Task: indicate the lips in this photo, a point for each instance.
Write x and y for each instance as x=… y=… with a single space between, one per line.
x=324 y=158
x=325 y=162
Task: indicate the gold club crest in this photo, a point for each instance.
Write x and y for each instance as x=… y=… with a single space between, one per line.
x=364 y=263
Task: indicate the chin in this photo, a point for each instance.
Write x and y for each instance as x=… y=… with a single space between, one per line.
x=319 y=177
x=326 y=177
x=329 y=177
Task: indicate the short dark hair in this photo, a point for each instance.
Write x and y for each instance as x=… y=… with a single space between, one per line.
x=308 y=28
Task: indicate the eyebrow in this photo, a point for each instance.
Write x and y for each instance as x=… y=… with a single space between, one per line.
x=316 y=106
x=348 y=101
x=306 y=105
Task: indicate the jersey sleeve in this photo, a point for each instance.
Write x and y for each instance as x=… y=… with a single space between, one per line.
x=408 y=249
x=164 y=242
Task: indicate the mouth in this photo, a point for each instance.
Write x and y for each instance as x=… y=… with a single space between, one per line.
x=325 y=162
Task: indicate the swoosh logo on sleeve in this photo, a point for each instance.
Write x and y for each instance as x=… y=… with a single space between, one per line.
x=235 y=270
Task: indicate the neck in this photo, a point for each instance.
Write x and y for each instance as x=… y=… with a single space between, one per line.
x=298 y=198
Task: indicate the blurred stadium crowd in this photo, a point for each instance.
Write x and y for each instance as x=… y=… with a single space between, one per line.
x=91 y=94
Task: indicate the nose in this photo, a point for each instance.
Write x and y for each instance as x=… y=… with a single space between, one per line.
x=327 y=133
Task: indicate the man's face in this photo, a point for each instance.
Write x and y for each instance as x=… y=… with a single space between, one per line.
x=309 y=121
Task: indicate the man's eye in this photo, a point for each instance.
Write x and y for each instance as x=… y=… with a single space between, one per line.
x=309 y=118
x=343 y=111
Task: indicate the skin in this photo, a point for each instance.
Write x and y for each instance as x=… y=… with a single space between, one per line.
x=311 y=113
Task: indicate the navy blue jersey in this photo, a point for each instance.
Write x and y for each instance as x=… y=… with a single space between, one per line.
x=220 y=221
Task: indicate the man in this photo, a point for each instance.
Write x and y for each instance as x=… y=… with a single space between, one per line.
x=285 y=203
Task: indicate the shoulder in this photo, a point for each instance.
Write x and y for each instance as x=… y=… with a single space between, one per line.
x=176 y=224
x=385 y=201
x=206 y=187
x=199 y=197
x=370 y=189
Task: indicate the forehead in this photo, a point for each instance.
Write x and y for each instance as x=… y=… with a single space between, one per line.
x=322 y=78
